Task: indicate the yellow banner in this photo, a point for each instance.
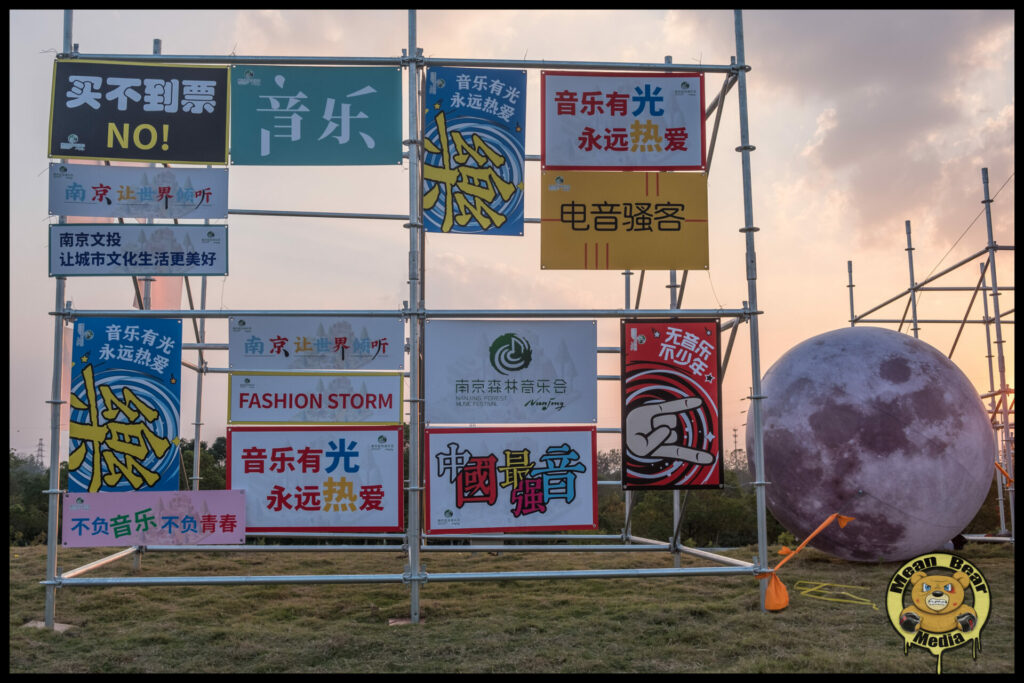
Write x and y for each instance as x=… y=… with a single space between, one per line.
x=623 y=219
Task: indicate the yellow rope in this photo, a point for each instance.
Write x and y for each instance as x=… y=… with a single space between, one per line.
x=817 y=590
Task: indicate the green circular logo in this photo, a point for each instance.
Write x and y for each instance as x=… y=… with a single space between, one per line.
x=510 y=353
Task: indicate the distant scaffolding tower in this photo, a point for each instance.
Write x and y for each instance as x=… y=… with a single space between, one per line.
x=1000 y=400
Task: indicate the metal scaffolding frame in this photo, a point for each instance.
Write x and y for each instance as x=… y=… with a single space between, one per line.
x=999 y=410
x=414 y=542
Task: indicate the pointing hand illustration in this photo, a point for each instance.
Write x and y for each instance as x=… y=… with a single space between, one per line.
x=651 y=431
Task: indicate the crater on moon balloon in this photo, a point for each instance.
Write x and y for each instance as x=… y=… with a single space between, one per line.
x=895 y=369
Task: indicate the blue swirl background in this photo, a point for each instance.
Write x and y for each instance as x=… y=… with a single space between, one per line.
x=156 y=391
x=501 y=136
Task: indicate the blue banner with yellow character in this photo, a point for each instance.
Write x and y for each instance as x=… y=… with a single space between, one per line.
x=125 y=402
x=474 y=151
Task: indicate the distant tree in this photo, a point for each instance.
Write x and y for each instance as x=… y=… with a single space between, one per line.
x=709 y=517
x=736 y=459
x=609 y=464
x=212 y=472
x=987 y=520
x=219 y=450
x=652 y=515
x=29 y=506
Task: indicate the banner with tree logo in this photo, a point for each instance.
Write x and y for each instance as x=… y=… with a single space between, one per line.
x=510 y=372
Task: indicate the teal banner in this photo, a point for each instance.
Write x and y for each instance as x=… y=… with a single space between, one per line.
x=316 y=116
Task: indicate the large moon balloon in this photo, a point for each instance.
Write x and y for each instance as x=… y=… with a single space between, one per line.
x=879 y=426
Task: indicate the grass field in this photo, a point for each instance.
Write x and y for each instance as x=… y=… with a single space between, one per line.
x=698 y=624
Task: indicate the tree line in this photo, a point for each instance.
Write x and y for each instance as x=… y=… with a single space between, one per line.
x=724 y=517
x=29 y=504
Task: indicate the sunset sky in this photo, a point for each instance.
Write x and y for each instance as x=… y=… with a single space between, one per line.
x=861 y=120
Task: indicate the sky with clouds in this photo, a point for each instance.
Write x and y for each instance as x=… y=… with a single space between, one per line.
x=861 y=120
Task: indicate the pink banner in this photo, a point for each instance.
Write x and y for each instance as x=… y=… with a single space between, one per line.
x=153 y=518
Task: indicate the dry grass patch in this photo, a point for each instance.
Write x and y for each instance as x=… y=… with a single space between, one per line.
x=704 y=624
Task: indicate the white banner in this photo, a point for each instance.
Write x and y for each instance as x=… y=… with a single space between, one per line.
x=510 y=372
x=138 y=192
x=482 y=480
x=316 y=343
x=113 y=249
x=303 y=398
x=622 y=121
x=318 y=479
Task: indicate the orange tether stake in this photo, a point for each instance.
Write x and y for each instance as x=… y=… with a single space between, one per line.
x=776 y=597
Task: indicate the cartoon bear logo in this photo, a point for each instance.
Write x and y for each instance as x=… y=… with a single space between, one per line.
x=939 y=605
x=938 y=602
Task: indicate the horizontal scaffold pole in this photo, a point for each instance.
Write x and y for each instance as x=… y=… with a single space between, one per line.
x=400 y=61
x=404 y=578
x=427 y=313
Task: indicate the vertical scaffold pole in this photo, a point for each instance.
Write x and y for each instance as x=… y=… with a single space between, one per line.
x=849 y=274
x=676 y=508
x=53 y=514
x=1000 y=359
x=627 y=495
x=416 y=267
x=201 y=339
x=54 y=492
x=913 y=285
x=676 y=505
x=998 y=455
x=751 y=257
x=146 y=302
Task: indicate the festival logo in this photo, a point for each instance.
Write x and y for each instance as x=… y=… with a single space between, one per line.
x=938 y=602
x=509 y=353
x=506 y=372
